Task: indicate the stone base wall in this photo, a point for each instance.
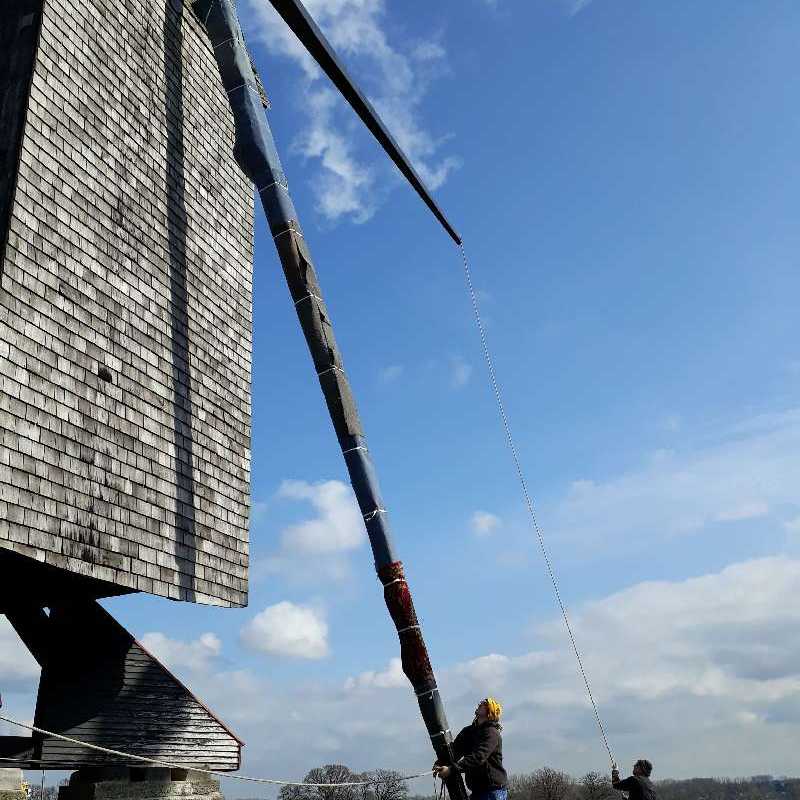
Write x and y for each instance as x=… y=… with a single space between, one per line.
x=11 y=784
x=122 y=783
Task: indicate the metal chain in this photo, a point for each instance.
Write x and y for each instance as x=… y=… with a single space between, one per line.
x=523 y=483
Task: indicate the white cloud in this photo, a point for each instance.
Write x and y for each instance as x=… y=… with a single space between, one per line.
x=18 y=668
x=793 y=525
x=687 y=672
x=348 y=184
x=743 y=472
x=486 y=671
x=390 y=678
x=576 y=6
x=176 y=654
x=19 y=676
x=701 y=661
x=743 y=511
x=460 y=372
x=391 y=373
x=338 y=525
x=286 y=629
x=484 y=523
x=722 y=634
x=316 y=547
x=343 y=186
x=693 y=670
x=428 y=51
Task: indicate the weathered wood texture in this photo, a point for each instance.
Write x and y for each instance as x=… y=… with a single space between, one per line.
x=100 y=686
x=126 y=305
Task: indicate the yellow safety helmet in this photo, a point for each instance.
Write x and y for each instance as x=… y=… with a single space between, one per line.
x=493 y=709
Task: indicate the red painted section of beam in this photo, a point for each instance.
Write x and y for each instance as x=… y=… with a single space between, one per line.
x=413 y=653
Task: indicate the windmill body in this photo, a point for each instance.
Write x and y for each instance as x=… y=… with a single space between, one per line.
x=125 y=360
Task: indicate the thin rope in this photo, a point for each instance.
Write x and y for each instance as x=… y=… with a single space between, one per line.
x=523 y=483
x=216 y=773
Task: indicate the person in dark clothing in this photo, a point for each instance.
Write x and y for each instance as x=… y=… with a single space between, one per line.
x=478 y=752
x=638 y=785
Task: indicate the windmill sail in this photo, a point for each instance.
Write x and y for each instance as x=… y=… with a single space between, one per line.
x=303 y=26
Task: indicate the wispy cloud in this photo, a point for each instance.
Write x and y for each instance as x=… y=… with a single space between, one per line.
x=348 y=183
x=672 y=423
x=746 y=472
x=460 y=372
x=319 y=544
x=344 y=186
x=391 y=373
x=576 y=6
x=793 y=526
x=338 y=525
x=18 y=668
x=390 y=678
x=198 y=654
x=743 y=511
x=698 y=668
x=484 y=523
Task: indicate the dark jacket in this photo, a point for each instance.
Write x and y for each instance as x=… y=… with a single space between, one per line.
x=478 y=750
x=637 y=786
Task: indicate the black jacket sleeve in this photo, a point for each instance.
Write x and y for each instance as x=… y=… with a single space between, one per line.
x=485 y=745
x=624 y=785
x=459 y=744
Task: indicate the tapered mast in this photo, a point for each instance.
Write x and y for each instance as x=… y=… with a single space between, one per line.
x=257 y=155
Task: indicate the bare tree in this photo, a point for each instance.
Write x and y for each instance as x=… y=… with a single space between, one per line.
x=520 y=787
x=330 y=773
x=388 y=785
x=550 y=784
x=36 y=793
x=595 y=786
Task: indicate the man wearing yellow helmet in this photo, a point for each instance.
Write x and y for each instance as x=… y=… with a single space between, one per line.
x=478 y=752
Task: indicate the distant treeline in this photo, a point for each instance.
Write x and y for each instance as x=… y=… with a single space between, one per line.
x=551 y=784
x=541 y=784
x=756 y=788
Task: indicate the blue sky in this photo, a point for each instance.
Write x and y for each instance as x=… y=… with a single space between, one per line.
x=625 y=179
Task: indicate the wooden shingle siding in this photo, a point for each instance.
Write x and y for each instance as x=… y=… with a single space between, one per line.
x=101 y=686
x=125 y=301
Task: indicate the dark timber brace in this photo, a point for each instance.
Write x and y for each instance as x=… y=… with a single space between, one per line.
x=98 y=685
x=256 y=153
